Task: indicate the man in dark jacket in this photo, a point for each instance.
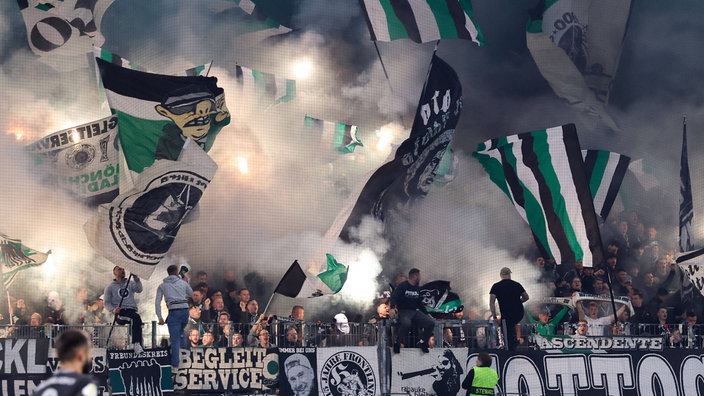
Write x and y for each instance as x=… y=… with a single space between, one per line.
x=407 y=301
x=511 y=296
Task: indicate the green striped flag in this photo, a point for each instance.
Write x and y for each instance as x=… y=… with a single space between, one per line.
x=605 y=172
x=421 y=20
x=266 y=86
x=333 y=135
x=157 y=112
x=543 y=174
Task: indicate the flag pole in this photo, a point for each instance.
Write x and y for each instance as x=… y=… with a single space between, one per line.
x=209 y=66
x=383 y=67
x=122 y=298
x=268 y=303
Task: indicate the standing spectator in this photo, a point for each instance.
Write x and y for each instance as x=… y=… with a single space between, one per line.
x=641 y=314
x=72 y=379
x=54 y=311
x=588 y=280
x=252 y=314
x=201 y=277
x=447 y=339
x=217 y=308
x=481 y=379
x=203 y=304
x=237 y=340
x=241 y=314
x=175 y=291
x=193 y=338
x=208 y=340
x=20 y=315
x=693 y=332
x=298 y=313
x=597 y=323
x=291 y=340
x=511 y=296
x=545 y=326
x=119 y=299
x=411 y=311
x=195 y=320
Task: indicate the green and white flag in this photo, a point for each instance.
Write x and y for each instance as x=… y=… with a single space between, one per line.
x=332 y=135
x=16 y=257
x=136 y=230
x=84 y=159
x=542 y=173
x=576 y=45
x=157 y=112
x=296 y=283
x=605 y=172
x=266 y=86
x=421 y=20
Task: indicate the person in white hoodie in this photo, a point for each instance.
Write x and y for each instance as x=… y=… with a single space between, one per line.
x=176 y=292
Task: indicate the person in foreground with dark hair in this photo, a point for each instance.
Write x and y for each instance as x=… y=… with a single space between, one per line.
x=73 y=351
x=481 y=379
x=176 y=292
x=407 y=301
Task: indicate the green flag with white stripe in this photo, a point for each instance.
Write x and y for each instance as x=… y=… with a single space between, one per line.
x=421 y=20
x=266 y=86
x=543 y=174
x=333 y=135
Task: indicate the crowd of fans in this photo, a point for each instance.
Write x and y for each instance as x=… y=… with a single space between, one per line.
x=638 y=265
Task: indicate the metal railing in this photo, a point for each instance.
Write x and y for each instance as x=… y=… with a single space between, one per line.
x=119 y=339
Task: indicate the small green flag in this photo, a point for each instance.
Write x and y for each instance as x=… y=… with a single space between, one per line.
x=335 y=276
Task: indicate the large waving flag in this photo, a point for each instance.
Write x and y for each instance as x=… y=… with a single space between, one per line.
x=15 y=257
x=266 y=86
x=576 y=45
x=421 y=20
x=84 y=159
x=63 y=27
x=332 y=135
x=686 y=203
x=136 y=230
x=409 y=176
x=543 y=174
x=605 y=172
x=157 y=113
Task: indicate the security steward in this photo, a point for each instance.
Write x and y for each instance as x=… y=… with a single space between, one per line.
x=481 y=379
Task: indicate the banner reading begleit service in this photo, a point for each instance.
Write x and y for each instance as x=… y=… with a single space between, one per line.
x=83 y=158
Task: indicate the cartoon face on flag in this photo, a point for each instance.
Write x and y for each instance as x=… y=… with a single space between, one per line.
x=191 y=109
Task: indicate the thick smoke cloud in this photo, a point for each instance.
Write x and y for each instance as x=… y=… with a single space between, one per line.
x=260 y=220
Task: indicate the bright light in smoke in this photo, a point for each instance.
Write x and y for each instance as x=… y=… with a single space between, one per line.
x=302 y=68
x=50 y=267
x=242 y=165
x=361 y=282
x=385 y=137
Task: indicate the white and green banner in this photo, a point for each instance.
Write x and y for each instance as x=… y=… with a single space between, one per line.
x=265 y=86
x=332 y=135
x=84 y=159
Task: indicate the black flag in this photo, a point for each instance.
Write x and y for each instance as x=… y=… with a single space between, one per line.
x=408 y=177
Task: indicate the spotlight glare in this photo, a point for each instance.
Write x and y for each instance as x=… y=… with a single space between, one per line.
x=302 y=69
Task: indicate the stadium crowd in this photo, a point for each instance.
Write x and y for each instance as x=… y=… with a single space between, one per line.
x=638 y=266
